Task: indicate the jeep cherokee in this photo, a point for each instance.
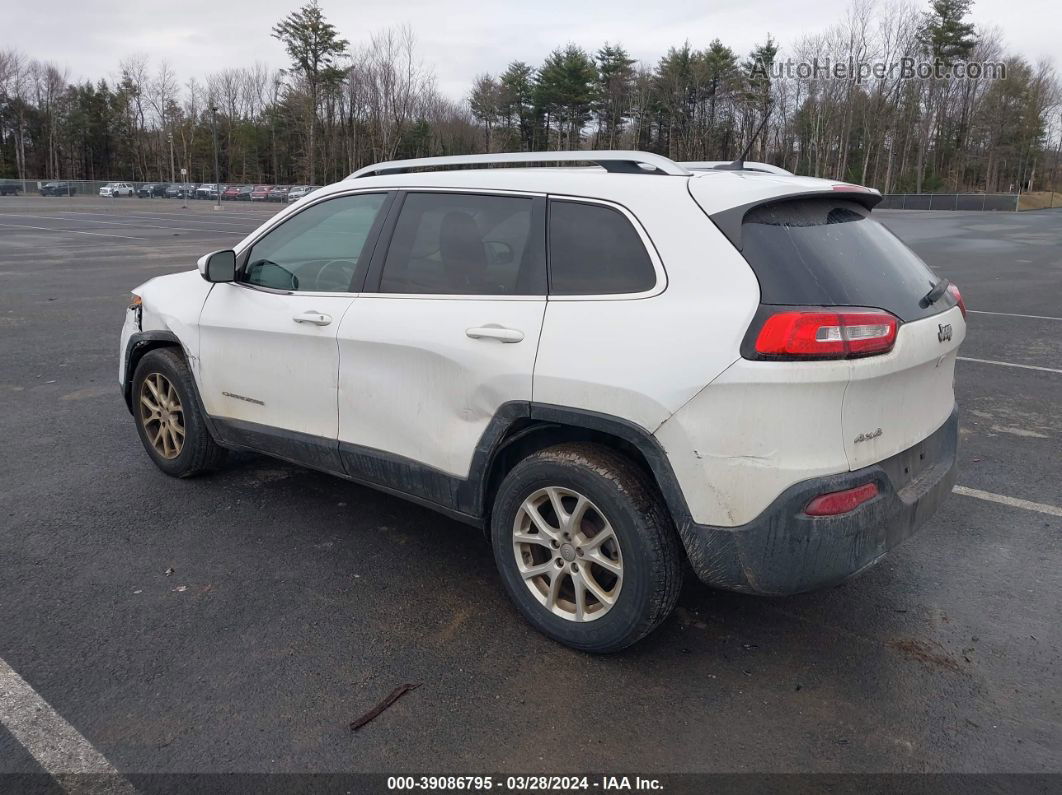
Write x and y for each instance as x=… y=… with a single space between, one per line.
x=615 y=370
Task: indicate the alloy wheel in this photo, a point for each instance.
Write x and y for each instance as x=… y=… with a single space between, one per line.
x=162 y=415
x=568 y=554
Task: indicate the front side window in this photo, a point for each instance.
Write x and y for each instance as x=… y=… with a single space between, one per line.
x=464 y=244
x=595 y=250
x=317 y=250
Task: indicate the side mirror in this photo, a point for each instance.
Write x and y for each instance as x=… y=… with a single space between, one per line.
x=218 y=266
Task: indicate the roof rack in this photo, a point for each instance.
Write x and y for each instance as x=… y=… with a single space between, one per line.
x=726 y=165
x=616 y=162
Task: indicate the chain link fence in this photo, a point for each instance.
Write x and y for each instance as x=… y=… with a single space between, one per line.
x=81 y=188
x=85 y=188
x=1005 y=202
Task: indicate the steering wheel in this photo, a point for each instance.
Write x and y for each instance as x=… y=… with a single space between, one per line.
x=348 y=272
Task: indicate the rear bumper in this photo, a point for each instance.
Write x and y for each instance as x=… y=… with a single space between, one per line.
x=784 y=551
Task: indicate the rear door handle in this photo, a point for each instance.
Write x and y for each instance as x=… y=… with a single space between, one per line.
x=314 y=318
x=495 y=332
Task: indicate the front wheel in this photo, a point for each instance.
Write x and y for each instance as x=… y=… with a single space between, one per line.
x=585 y=548
x=168 y=419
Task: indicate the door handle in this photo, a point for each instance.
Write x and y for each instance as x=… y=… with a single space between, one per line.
x=494 y=332
x=314 y=318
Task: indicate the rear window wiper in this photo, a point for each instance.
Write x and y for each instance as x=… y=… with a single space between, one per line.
x=935 y=293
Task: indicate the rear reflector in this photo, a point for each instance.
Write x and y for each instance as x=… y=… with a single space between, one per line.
x=838 y=502
x=958 y=299
x=827 y=335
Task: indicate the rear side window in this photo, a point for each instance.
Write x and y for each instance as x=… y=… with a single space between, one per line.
x=465 y=244
x=825 y=252
x=594 y=250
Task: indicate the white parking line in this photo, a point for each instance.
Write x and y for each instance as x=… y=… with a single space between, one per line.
x=1013 y=502
x=123 y=223
x=227 y=210
x=71 y=231
x=1009 y=364
x=191 y=217
x=1012 y=314
x=56 y=745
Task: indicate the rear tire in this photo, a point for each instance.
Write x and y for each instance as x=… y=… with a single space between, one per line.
x=610 y=539
x=167 y=415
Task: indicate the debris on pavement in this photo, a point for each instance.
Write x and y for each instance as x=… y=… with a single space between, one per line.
x=376 y=711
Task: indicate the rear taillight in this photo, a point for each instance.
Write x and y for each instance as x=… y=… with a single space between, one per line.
x=810 y=334
x=838 y=502
x=958 y=299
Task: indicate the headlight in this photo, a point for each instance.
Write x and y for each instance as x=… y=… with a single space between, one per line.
x=135 y=301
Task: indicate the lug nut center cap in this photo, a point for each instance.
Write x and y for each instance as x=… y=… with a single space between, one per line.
x=567 y=552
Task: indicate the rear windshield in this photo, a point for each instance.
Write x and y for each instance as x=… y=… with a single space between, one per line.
x=826 y=252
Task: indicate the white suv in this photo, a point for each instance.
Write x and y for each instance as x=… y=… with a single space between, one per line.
x=116 y=189
x=616 y=369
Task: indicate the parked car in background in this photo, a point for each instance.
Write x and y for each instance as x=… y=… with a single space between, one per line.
x=180 y=190
x=260 y=193
x=58 y=189
x=279 y=193
x=116 y=189
x=151 y=190
x=9 y=188
x=299 y=191
x=232 y=192
x=806 y=426
x=209 y=190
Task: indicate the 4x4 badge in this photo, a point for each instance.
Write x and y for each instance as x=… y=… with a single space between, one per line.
x=944 y=331
x=866 y=437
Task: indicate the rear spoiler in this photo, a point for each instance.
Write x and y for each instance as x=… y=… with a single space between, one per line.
x=729 y=221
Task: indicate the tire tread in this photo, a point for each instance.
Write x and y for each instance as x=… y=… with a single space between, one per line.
x=204 y=454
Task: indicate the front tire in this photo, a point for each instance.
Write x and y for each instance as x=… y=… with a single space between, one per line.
x=585 y=548
x=168 y=418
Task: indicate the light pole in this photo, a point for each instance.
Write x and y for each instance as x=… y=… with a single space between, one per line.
x=217 y=168
x=1054 y=169
x=173 y=173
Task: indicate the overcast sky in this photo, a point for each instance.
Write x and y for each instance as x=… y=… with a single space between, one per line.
x=458 y=38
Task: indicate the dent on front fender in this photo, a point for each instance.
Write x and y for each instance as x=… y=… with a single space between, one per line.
x=173 y=304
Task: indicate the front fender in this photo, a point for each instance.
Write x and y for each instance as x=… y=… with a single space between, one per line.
x=168 y=315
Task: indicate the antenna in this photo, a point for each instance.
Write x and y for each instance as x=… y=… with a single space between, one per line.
x=739 y=164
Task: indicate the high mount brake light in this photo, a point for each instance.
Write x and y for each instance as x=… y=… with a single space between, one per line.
x=811 y=334
x=958 y=299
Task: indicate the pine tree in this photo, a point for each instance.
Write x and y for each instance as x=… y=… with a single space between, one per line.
x=566 y=89
x=314 y=47
x=615 y=81
x=517 y=105
x=945 y=34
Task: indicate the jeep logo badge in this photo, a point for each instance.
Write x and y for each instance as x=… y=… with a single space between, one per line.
x=944 y=331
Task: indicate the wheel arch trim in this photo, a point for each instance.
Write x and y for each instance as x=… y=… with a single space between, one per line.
x=143 y=342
